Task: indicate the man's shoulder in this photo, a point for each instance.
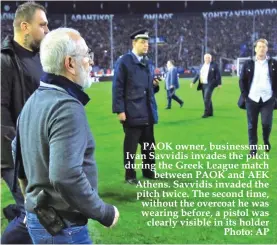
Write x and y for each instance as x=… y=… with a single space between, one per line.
x=213 y=63
x=249 y=62
x=7 y=45
x=272 y=61
x=7 y=52
x=124 y=59
x=7 y=60
x=127 y=57
x=174 y=69
x=51 y=96
x=53 y=102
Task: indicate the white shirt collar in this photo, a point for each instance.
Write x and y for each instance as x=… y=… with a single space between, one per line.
x=261 y=61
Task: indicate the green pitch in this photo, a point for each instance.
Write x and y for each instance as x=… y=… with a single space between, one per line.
x=179 y=126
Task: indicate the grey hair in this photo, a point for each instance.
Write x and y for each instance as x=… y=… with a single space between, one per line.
x=208 y=54
x=56 y=45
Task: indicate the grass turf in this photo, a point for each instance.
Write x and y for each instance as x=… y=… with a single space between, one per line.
x=179 y=126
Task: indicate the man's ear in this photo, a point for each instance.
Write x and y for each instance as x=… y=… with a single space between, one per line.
x=25 y=27
x=69 y=64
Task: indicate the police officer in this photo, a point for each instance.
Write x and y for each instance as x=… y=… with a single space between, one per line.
x=135 y=104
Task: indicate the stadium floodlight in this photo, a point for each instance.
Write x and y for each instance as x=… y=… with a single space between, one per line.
x=7 y=7
x=186 y=4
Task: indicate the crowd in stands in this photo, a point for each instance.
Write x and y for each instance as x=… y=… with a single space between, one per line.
x=184 y=36
x=6 y=28
x=97 y=36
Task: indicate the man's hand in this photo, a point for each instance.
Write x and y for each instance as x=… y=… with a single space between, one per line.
x=171 y=86
x=156 y=82
x=121 y=117
x=191 y=85
x=116 y=217
x=219 y=86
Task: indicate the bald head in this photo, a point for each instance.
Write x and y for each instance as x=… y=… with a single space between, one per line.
x=207 y=58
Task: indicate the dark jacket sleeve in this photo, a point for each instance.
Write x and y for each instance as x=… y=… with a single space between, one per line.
x=7 y=124
x=21 y=172
x=274 y=78
x=196 y=78
x=118 y=88
x=67 y=146
x=170 y=78
x=243 y=80
x=217 y=75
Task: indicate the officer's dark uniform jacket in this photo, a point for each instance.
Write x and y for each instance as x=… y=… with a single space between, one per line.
x=133 y=91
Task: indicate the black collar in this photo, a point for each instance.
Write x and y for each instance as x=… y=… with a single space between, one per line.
x=23 y=52
x=70 y=87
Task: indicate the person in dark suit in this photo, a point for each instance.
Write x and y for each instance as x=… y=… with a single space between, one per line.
x=172 y=84
x=209 y=78
x=258 y=86
x=135 y=104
